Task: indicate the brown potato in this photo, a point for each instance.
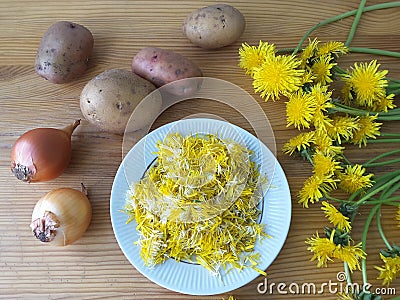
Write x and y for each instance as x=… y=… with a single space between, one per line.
x=64 y=52
x=161 y=67
x=214 y=26
x=109 y=99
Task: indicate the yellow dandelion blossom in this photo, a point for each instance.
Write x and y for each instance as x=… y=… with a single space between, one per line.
x=309 y=52
x=347 y=93
x=321 y=121
x=307 y=78
x=353 y=178
x=343 y=127
x=278 y=75
x=368 y=128
x=253 y=56
x=322 y=249
x=366 y=82
x=315 y=188
x=390 y=270
x=322 y=67
x=336 y=217
x=298 y=143
x=322 y=98
x=383 y=104
x=324 y=144
x=324 y=165
x=332 y=47
x=300 y=109
x=351 y=254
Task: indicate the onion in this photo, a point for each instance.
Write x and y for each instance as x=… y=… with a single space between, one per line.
x=61 y=216
x=42 y=154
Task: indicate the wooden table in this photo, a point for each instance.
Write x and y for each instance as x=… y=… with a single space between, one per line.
x=95 y=267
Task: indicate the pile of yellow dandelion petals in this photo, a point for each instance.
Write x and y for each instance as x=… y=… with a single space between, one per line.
x=226 y=240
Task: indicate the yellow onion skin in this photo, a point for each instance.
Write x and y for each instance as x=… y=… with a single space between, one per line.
x=69 y=208
x=42 y=154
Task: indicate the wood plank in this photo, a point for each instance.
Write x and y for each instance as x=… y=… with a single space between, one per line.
x=95 y=267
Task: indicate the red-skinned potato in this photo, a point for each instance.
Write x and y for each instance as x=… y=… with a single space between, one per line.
x=64 y=52
x=161 y=67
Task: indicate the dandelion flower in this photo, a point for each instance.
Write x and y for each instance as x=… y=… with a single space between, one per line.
x=351 y=254
x=298 y=143
x=300 y=109
x=322 y=67
x=307 y=78
x=383 y=104
x=322 y=98
x=324 y=144
x=315 y=188
x=336 y=217
x=353 y=178
x=332 y=47
x=323 y=249
x=309 y=52
x=277 y=76
x=324 y=165
x=254 y=56
x=366 y=82
x=368 y=128
x=390 y=270
x=343 y=127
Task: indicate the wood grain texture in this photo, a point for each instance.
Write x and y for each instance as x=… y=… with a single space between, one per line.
x=94 y=267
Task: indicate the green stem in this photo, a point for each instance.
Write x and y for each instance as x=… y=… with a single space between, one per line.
x=392 y=112
x=378 y=182
x=355 y=22
x=382 y=234
x=385 y=177
x=390 y=190
x=358 y=112
x=383 y=141
x=377 y=190
x=354 y=195
x=343 y=16
x=364 y=242
x=395 y=91
x=382 y=163
x=388 y=201
x=347 y=271
x=346 y=160
x=381 y=155
x=374 y=51
x=390 y=134
x=328 y=197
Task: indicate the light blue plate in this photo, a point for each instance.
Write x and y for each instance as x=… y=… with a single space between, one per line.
x=190 y=278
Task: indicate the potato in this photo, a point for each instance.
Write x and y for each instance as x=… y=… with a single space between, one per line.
x=214 y=26
x=109 y=99
x=161 y=67
x=64 y=52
